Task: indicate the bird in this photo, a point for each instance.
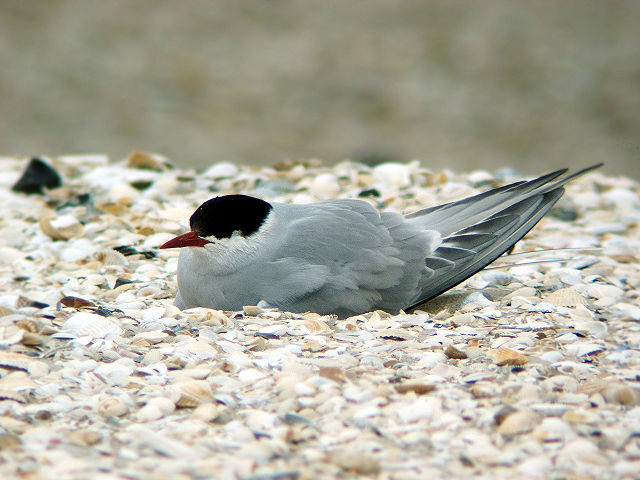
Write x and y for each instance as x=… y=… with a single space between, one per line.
x=345 y=257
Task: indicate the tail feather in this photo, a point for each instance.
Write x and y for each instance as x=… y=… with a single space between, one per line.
x=479 y=229
x=452 y=217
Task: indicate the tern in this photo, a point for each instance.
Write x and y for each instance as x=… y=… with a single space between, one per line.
x=345 y=257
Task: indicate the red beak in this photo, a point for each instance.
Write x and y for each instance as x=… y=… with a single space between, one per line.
x=189 y=239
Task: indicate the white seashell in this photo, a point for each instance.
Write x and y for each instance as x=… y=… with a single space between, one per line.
x=429 y=360
x=567 y=338
x=207 y=315
x=148 y=161
x=627 y=311
x=114 y=373
x=550 y=409
x=622 y=198
x=250 y=375
x=207 y=412
x=593 y=328
x=123 y=193
x=551 y=357
x=14 y=360
x=542 y=307
x=155 y=240
x=252 y=310
x=394 y=174
x=565 y=297
x=497 y=278
x=229 y=347
x=63 y=227
x=559 y=383
x=220 y=170
x=155 y=408
x=477 y=377
x=153 y=337
x=86 y=324
x=112 y=407
x=580 y=349
x=10 y=335
x=424 y=408
x=535 y=467
x=161 y=443
x=600 y=291
x=324 y=185
x=17 y=382
x=518 y=301
x=552 y=429
x=149 y=413
x=275 y=329
x=260 y=421
x=526 y=292
x=621 y=394
x=191 y=393
x=583 y=452
x=463 y=319
x=152 y=314
x=195 y=350
x=476 y=298
x=111 y=257
x=520 y=421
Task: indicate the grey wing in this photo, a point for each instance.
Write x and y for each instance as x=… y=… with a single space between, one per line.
x=345 y=257
x=479 y=229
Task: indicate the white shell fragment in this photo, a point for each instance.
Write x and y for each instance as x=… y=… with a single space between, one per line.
x=524 y=371
x=90 y=326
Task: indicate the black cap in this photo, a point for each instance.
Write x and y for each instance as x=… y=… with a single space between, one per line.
x=221 y=216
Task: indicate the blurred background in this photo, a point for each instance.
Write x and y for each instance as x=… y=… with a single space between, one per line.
x=462 y=85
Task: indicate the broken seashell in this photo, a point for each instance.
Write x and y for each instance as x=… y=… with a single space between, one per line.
x=85 y=324
x=506 y=356
x=191 y=393
x=63 y=227
x=520 y=421
x=112 y=407
x=454 y=353
x=565 y=297
x=316 y=325
x=75 y=302
x=417 y=386
x=333 y=373
x=15 y=360
x=148 y=161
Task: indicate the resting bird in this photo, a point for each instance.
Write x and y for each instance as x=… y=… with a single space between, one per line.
x=345 y=257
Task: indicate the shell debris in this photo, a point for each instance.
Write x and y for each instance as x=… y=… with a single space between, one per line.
x=101 y=376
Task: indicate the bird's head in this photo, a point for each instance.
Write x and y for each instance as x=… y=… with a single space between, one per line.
x=222 y=217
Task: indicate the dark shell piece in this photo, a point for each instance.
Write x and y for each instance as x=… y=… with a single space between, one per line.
x=128 y=250
x=38 y=175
